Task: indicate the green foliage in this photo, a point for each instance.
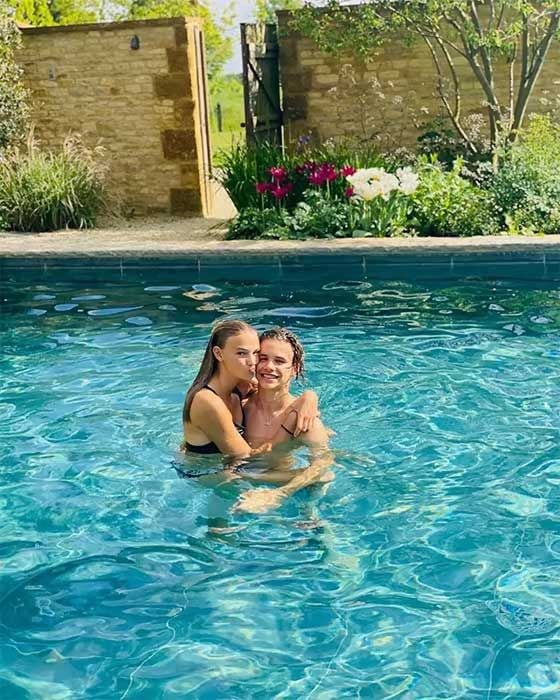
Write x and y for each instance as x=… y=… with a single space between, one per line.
x=219 y=47
x=266 y=9
x=13 y=96
x=526 y=187
x=441 y=140
x=242 y=166
x=34 y=12
x=45 y=13
x=50 y=191
x=316 y=216
x=446 y=204
x=227 y=92
x=320 y=216
x=252 y=223
x=77 y=11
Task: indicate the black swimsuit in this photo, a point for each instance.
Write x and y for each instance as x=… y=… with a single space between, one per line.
x=210 y=448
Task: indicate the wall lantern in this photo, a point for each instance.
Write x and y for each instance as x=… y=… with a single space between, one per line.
x=135 y=43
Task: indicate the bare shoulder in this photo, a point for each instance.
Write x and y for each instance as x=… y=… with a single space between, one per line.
x=205 y=402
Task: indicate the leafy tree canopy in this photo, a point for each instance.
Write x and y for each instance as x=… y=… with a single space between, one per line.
x=13 y=106
x=266 y=9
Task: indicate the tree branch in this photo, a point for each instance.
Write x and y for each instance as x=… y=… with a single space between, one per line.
x=454 y=115
x=492 y=17
x=529 y=79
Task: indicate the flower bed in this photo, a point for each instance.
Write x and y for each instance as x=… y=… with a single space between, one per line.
x=343 y=192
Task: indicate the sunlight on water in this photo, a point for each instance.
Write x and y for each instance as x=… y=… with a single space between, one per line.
x=430 y=568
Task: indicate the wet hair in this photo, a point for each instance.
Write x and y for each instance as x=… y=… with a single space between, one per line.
x=221 y=332
x=285 y=336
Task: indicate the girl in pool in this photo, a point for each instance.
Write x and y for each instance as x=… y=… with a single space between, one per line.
x=213 y=414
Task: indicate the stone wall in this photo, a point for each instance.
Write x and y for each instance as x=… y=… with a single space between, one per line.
x=147 y=106
x=391 y=98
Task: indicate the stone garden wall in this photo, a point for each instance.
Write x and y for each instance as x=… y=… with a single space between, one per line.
x=392 y=97
x=146 y=105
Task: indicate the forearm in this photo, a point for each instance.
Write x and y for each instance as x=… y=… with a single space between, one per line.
x=318 y=467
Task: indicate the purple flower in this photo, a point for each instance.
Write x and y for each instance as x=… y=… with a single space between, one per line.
x=262 y=187
x=349 y=192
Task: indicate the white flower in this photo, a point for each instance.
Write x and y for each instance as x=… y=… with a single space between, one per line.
x=408 y=180
x=388 y=183
x=368 y=190
x=369 y=183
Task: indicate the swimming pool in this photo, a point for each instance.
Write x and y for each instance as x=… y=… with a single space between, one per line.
x=430 y=568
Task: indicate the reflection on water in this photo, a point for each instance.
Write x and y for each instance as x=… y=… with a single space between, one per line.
x=428 y=569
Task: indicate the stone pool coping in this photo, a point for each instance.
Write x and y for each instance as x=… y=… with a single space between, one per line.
x=205 y=239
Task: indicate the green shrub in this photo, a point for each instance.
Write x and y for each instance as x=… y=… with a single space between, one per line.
x=253 y=223
x=316 y=217
x=240 y=167
x=446 y=204
x=526 y=188
x=13 y=96
x=49 y=191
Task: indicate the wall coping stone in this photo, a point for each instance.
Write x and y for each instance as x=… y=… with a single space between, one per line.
x=113 y=26
x=168 y=244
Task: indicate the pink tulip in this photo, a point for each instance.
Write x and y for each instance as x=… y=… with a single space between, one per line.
x=278 y=174
x=317 y=177
x=330 y=172
x=280 y=191
x=347 y=170
x=262 y=187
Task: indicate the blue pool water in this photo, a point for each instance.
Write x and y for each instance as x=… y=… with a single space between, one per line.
x=429 y=569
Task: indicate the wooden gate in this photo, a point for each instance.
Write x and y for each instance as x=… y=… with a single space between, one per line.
x=261 y=83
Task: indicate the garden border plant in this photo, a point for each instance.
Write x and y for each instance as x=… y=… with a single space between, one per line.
x=297 y=197
x=46 y=191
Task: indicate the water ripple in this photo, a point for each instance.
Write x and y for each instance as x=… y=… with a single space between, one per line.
x=429 y=568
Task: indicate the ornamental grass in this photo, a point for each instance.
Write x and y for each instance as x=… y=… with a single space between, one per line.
x=47 y=191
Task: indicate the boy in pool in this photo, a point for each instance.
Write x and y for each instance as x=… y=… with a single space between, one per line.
x=269 y=413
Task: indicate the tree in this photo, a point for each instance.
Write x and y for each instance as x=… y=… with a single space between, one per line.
x=266 y=9
x=45 y=13
x=517 y=34
x=13 y=106
x=77 y=11
x=34 y=12
x=219 y=47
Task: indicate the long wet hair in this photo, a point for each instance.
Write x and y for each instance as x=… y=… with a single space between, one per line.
x=285 y=336
x=221 y=332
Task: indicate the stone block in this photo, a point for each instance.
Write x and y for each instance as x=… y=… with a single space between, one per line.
x=295 y=106
x=184 y=111
x=177 y=59
x=190 y=176
x=327 y=80
x=178 y=144
x=183 y=200
x=181 y=37
x=301 y=82
x=172 y=86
